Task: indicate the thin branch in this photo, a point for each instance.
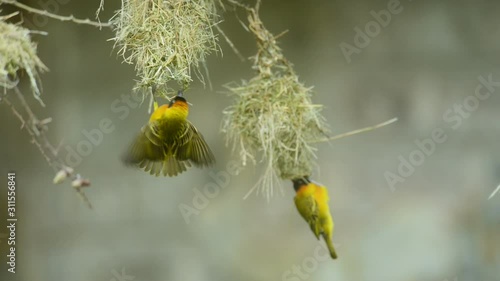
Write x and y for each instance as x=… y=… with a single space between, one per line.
x=355 y=132
x=32 y=134
x=241 y=5
x=36 y=129
x=99 y=9
x=17 y=114
x=54 y=16
x=25 y=105
x=230 y=43
x=84 y=197
x=257 y=6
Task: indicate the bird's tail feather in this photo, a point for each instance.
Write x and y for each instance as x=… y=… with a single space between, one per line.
x=331 y=248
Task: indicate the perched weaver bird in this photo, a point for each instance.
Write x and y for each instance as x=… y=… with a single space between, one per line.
x=169 y=143
x=311 y=200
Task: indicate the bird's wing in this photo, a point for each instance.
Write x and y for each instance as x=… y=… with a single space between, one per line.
x=146 y=147
x=152 y=155
x=308 y=209
x=195 y=149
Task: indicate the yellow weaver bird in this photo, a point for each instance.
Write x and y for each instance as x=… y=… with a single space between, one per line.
x=311 y=200
x=169 y=143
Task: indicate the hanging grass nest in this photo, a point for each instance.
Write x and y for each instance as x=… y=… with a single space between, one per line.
x=18 y=54
x=273 y=116
x=166 y=40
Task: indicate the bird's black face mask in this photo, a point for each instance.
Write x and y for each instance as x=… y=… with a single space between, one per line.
x=298 y=183
x=179 y=97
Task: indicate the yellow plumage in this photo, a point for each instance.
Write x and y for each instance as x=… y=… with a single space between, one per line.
x=311 y=201
x=169 y=143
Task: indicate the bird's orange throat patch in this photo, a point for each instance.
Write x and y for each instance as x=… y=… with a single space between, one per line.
x=305 y=190
x=178 y=110
x=180 y=105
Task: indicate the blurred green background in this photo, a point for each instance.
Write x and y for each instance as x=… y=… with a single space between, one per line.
x=436 y=225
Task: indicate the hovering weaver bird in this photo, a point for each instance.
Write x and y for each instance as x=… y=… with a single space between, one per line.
x=311 y=200
x=168 y=144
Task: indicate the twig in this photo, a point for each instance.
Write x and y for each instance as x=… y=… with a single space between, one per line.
x=257 y=6
x=32 y=134
x=17 y=114
x=355 y=132
x=236 y=3
x=54 y=16
x=228 y=41
x=99 y=9
x=84 y=198
x=36 y=129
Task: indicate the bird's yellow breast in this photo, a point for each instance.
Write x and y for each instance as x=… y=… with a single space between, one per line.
x=306 y=190
x=319 y=193
x=177 y=112
x=170 y=121
x=158 y=113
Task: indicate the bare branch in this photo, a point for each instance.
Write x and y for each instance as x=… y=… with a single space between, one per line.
x=54 y=16
x=355 y=132
x=230 y=43
x=37 y=130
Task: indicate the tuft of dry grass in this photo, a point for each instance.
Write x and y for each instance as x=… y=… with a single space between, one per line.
x=18 y=54
x=273 y=115
x=166 y=40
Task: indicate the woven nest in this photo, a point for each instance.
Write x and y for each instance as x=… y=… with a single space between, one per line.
x=273 y=120
x=274 y=116
x=18 y=54
x=166 y=40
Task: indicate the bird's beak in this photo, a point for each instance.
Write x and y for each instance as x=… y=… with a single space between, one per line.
x=179 y=93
